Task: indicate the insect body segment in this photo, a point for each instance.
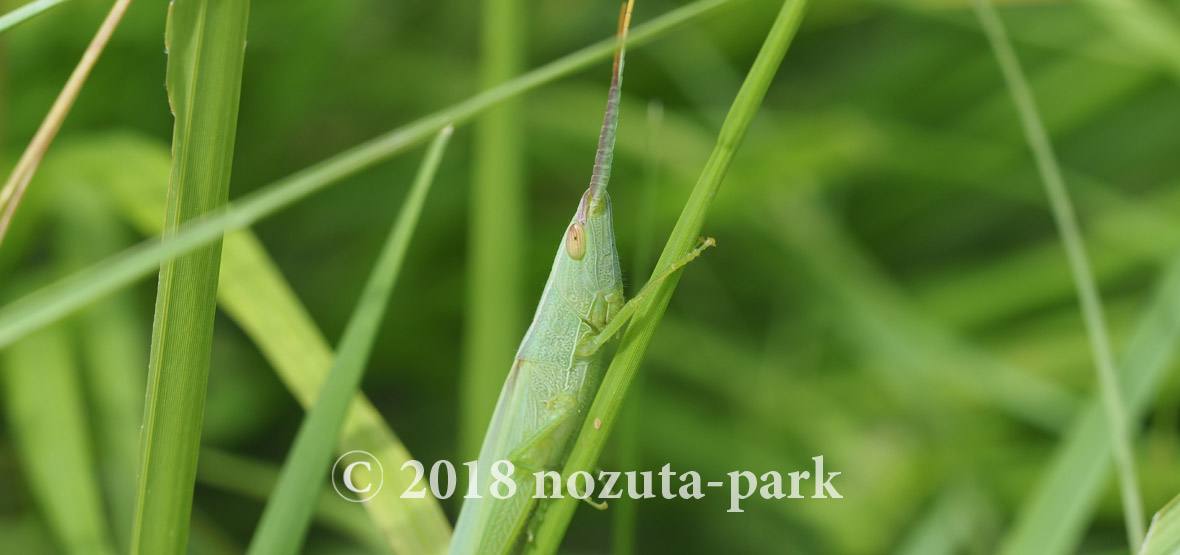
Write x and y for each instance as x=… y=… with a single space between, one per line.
x=550 y=387
x=559 y=364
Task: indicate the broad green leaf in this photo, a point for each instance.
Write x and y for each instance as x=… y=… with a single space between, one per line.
x=288 y=512
x=206 y=42
x=46 y=412
x=113 y=346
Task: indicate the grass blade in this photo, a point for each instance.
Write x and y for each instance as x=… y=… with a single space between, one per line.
x=1164 y=536
x=256 y=480
x=27 y=12
x=68 y=295
x=1053 y=519
x=113 y=348
x=288 y=513
x=1087 y=290
x=625 y=522
x=22 y=174
x=205 y=40
x=1147 y=27
x=493 y=317
x=636 y=339
x=46 y=411
x=254 y=294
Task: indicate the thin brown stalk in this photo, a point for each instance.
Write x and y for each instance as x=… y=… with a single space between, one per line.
x=26 y=167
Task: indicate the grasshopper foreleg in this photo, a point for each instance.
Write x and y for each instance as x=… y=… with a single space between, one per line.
x=616 y=324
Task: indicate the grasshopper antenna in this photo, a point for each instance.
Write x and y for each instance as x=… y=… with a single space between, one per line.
x=610 y=122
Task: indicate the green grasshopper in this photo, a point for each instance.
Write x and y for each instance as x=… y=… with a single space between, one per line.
x=560 y=362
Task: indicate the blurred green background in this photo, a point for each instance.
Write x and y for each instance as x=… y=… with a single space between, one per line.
x=888 y=291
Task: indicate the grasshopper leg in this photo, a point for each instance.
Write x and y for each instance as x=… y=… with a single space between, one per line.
x=529 y=454
x=613 y=327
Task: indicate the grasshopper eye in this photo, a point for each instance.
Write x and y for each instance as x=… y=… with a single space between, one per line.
x=575 y=241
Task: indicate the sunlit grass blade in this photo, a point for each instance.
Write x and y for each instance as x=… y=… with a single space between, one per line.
x=947 y=526
x=1149 y=27
x=256 y=480
x=133 y=171
x=206 y=41
x=1088 y=295
x=493 y=317
x=1054 y=518
x=46 y=413
x=1164 y=536
x=22 y=174
x=288 y=512
x=605 y=409
x=71 y=293
x=26 y=12
x=256 y=296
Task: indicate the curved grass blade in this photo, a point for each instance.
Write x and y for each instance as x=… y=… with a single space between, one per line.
x=27 y=12
x=22 y=174
x=256 y=480
x=636 y=339
x=205 y=40
x=113 y=349
x=73 y=292
x=288 y=512
x=1087 y=290
x=45 y=410
x=254 y=294
x=1053 y=520
x=1164 y=536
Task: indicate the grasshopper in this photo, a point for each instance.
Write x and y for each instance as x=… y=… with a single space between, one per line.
x=560 y=362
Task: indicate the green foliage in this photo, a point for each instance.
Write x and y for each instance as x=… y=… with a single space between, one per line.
x=497 y=199
x=45 y=407
x=621 y=373
x=888 y=289
x=26 y=12
x=289 y=509
x=1089 y=298
x=205 y=40
x=1164 y=535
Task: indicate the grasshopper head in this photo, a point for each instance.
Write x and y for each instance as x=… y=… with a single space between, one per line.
x=592 y=261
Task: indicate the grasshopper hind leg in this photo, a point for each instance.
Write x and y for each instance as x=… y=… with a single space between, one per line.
x=534 y=452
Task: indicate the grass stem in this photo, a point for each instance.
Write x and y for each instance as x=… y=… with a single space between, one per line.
x=1079 y=264
x=22 y=174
